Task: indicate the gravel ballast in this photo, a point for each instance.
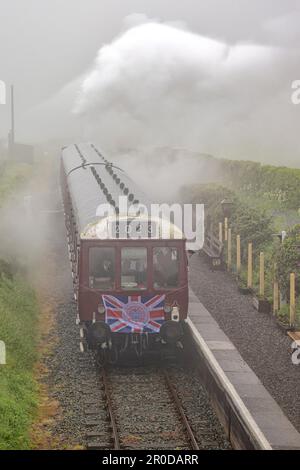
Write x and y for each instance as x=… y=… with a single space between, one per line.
x=262 y=344
x=64 y=367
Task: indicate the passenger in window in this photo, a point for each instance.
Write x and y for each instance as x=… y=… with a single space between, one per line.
x=170 y=267
x=141 y=274
x=165 y=268
x=108 y=268
x=102 y=270
x=134 y=268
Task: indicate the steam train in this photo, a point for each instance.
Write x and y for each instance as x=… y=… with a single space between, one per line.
x=131 y=289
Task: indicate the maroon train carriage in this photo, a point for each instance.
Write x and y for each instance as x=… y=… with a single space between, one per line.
x=131 y=294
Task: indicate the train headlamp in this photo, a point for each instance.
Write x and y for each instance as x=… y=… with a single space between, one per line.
x=101 y=309
x=167 y=309
x=175 y=313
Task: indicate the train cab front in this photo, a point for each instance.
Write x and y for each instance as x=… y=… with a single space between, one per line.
x=133 y=295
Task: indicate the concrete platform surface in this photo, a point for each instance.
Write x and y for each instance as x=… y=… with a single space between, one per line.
x=268 y=425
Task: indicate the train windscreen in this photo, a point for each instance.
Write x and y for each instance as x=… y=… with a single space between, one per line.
x=165 y=267
x=102 y=268
x=134 y=268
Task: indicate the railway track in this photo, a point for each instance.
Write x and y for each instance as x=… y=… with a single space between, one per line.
x=142 y=408
x=192 y=439
x=142 y=405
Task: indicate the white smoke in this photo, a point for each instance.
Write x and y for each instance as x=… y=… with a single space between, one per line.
x=160 y=85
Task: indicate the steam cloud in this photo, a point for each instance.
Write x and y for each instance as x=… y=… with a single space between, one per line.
x=160 y=85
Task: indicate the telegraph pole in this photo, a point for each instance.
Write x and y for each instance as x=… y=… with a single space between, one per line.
x=12 y=115
x=11 y=135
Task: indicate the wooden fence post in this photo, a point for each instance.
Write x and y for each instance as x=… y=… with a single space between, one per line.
x=250 y=266
x=276 y=297
x=226 y=229
x=229 y=249
x=2 y=353
x=238 y=255
x=262 y=274
x=292 y=300
x=220 y=232
x=275 y=292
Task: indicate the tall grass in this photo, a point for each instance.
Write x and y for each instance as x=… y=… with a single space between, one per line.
x=12 y=176
x=18 y=329
x=18 y=391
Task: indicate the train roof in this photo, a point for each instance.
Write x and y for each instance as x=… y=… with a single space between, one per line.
x=92 y=181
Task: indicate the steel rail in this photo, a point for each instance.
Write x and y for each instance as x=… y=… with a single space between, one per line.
x=181 y=412
x=110 y=410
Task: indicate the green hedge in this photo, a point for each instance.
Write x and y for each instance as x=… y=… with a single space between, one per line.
x=271 y=183
x=251 y=223
x=279 y=184
x=287 y=258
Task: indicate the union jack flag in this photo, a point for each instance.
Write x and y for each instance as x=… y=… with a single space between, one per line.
x=134 y=314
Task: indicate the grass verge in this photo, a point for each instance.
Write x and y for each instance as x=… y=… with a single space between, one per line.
x=18 y=389
x=12 y=177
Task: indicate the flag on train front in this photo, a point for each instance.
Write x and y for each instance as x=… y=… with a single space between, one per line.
x=134 y=314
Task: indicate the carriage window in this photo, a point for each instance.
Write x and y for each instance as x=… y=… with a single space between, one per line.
x=165 y=267
x=134 y=268
x=102 y=268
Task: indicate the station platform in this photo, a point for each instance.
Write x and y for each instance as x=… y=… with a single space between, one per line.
x=249 y=414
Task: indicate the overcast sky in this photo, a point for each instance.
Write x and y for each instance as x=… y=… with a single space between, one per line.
x=47 y=46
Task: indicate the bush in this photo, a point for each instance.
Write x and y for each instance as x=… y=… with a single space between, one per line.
x=278 y=184
x=6 y=270
x=287 y=258
x=271 y=183
x=252 y=224
x=208 y=194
